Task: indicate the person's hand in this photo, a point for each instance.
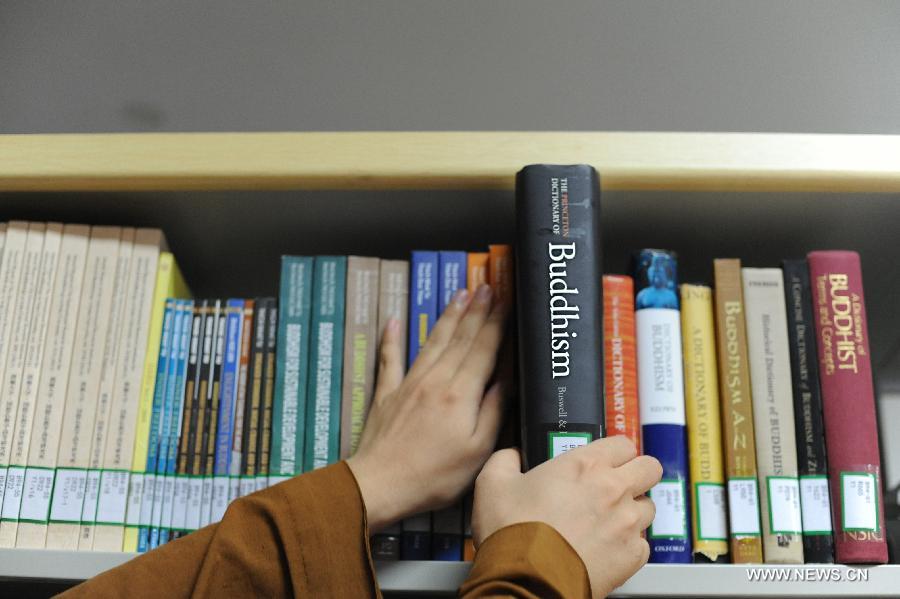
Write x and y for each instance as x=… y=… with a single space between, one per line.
x=593 y=496
x=428 y=434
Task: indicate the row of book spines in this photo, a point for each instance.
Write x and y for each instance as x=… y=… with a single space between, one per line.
x=435 y=276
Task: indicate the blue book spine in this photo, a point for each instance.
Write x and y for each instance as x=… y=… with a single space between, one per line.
x=423 y=300
x=452 y=276
x=159 y=389
x=661 y=401
x=175 y=394
x=234 y=318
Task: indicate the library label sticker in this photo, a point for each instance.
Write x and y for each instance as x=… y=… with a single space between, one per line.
x=859 y=502
x=112 y=501
x=68 y=495
x=12 y=498
x=234 y=487
x=248 y=485
x=560 y=443
x=815 y=505
x=37 y=494
x=194 y=507
x=137 y=495
x=711 y=520
x=219 y=497
x=671 y=519
x=179 y=503
x=743 y=506
x=262 y=482
x=3 y=470
x=784 y=505
x=91 y=492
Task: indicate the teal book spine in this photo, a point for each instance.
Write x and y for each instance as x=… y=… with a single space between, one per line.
x=291 y=367
x=323 y=400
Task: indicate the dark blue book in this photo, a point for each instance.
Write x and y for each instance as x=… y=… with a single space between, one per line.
x=452 y=276
x=661 y=401
x=423 y=300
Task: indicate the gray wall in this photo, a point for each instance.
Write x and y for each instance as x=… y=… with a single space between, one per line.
x=128 y=65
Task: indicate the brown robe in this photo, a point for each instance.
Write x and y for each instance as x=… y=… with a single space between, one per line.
x=307 y=537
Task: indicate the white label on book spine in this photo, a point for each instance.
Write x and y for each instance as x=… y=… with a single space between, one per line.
x=3 y=470
x=219 y=498
x=711 y=511
x=815 y=505
x=113 y=499
x=12 y=498
x=743 y=506
x=136 y=493
x=671 y=519
x=179 y=503
x=195 y=492
x=262 y=482
x=660 y=374
x=68 y=495
x=91 y=493
x=162 y=509
x=206 y=501
x=248 y=485
x=859 y=505
x=37 y=494
x=234 y=488
x=275 y=479
x=784 y=505
x=147 y=499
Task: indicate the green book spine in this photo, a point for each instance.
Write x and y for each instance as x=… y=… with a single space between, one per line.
x=291 y=366
x=323 y=401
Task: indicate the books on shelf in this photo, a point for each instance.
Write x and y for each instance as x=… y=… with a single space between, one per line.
x=137 y=414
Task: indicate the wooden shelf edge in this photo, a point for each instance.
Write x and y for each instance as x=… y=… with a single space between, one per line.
x=655 y=580
x=446 y=160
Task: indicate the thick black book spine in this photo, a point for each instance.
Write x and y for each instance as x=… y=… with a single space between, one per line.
x=818 y=545
x=560 y=309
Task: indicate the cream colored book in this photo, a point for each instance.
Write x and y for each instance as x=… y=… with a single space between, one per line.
x=2 y=240
x=10 y=276
x=34 y=355
x=83 y=387
x=51 y=392
x=11 y=383
x=106 y=392
x=773 y=414
x=117 y=459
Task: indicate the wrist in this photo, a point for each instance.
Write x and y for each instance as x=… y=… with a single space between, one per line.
x=383 y=497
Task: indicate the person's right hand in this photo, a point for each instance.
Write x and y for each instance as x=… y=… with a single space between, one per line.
x=593 y=496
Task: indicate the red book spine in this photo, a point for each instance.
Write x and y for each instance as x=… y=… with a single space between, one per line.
x=621 y=397
x=851 y=430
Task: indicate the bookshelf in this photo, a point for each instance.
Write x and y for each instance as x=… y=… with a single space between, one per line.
x=232 y=203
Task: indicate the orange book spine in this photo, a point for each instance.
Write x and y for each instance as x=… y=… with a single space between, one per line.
x=621 y=396
x=501 y=272
x=476 y=269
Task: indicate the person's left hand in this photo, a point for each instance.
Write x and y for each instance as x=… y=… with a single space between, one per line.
x=428 y=434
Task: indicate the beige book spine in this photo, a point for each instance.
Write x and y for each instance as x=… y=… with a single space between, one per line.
x=11 y=382
x=360 y=338
x=51 y=390
x=773 y=412
x=107 y=388
x=117 y=459
x=31 y=371
x=83 y=387
x=393 y=300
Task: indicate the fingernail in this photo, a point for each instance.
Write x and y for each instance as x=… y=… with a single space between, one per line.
x=461 y=297
x=483 y=294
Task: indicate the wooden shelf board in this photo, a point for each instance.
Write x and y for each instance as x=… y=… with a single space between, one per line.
x=446 y=160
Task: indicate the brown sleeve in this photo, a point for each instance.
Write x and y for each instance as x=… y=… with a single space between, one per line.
x=306 y=537
x=528 y=561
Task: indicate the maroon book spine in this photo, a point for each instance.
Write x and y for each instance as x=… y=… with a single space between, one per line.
x=851 y=430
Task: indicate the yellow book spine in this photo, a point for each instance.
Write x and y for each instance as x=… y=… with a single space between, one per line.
x=169 y=283
x=701 y=386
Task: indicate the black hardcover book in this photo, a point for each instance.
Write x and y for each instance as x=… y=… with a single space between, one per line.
x=213 y=396
x=267 y=396
x=812 y=465
x=560 y=309
x=254 y=394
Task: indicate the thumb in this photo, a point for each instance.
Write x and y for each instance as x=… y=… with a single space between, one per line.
x=502 y=464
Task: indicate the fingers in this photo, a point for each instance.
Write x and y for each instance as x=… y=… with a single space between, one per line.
x=611 y=451
x=442 y=333
x=503 y=463
x=490 y=414
x=480 y=359
x=466 y=331
x=646 y=512
x=642 y=473
x=390 y=366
